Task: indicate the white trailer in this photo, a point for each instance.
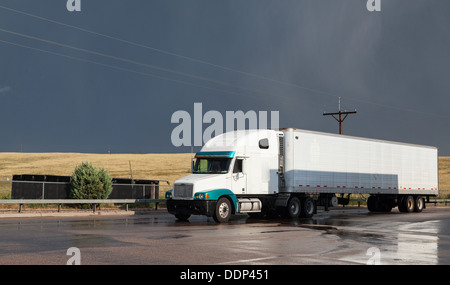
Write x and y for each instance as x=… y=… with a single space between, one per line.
x=290 y=172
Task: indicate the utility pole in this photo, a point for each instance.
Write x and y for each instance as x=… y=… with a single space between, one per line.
x=340 y=113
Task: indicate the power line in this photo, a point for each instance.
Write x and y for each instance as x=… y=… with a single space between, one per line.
x=125 y=69
x=138 y=72
x=135 y=62
x=199 y=61
x=169 y=53
x=186 y=74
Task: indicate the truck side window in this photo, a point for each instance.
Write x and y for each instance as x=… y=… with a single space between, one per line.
x=237 y=166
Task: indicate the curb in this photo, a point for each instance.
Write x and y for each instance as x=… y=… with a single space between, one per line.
x=9 y=213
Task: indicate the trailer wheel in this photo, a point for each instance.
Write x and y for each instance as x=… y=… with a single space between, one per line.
x=223 y=210
x=308 y=208
x=372 y=203
x=294 y=208
x=418 y=204
x=401 y=204
x=408 y=203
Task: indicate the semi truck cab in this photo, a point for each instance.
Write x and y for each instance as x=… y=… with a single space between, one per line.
x=228 y=175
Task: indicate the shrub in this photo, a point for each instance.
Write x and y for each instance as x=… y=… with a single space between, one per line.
x=89 y=182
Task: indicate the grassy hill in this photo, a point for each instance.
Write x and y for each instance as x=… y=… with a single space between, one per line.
x=144 y=166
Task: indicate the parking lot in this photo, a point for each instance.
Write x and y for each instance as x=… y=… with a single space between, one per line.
x=349 y=235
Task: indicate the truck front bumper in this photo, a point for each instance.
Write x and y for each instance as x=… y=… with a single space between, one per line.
x=191 y=207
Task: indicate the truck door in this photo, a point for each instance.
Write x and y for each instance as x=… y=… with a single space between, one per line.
x=239 y=177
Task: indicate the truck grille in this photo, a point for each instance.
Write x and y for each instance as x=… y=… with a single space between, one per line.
x=182 y=190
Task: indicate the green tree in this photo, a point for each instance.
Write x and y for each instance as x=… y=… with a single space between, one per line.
x=89 y=182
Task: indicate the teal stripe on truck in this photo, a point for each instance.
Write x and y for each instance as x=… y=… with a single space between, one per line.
x=216 y=194
x=218 y=154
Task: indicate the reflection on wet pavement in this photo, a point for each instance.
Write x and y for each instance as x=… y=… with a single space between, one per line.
x=335 y=237
x=398 y=242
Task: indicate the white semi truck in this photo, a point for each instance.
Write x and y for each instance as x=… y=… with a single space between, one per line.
x=290 y=172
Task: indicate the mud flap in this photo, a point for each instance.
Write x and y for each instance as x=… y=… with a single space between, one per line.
x=282 y=200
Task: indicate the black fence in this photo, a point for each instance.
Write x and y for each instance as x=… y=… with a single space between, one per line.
x=29 y=186
x=134 y=189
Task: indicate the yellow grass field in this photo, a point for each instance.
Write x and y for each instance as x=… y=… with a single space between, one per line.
x=444 y=176
x=144 y=166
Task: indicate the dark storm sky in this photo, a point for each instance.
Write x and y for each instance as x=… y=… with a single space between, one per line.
x=112 y=75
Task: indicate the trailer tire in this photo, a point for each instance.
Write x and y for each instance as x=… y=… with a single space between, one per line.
x=408 y=203
x=401 y=204
x=223 y=210
x=308 y=208
x=418 y=204
x=386 y=204
x=372 y=203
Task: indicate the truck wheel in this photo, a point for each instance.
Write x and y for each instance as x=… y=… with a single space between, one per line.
x=182 y=217
x=418 y=204
x=408 y=203
x=223 y=210
x=293 y=208
x=308 y=208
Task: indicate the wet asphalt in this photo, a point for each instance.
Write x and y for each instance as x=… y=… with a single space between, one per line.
x=340 y=236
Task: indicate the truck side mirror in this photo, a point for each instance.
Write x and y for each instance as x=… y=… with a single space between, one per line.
x=264 y=143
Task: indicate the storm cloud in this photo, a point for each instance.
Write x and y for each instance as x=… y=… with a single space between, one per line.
x=112 y=75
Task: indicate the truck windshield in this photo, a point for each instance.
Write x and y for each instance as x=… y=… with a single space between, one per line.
x=211 y=165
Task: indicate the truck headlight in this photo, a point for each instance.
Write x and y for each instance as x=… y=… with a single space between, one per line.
x=202 y=196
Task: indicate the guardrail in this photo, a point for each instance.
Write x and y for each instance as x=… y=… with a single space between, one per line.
x=435 y=201
x=92 y=202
